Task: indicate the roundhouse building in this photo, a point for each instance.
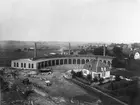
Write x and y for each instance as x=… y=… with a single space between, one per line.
x=41 y=63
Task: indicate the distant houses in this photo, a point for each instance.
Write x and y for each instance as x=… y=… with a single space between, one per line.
x=137 y=55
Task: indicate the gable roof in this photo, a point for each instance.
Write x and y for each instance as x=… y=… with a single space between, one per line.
x=93 y=64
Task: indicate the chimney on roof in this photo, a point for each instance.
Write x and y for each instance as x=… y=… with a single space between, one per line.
x=35 y=50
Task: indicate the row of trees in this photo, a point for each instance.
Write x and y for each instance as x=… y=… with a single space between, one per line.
x=119 y=53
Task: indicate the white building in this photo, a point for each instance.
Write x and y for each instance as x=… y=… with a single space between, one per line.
x=97 y=69
x=23 y=64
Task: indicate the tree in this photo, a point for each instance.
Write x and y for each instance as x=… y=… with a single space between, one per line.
x=98 y=51
x=95 y=79
x=89 y=77
x=79 y=74
x=82 y=52
x=117 y=78
x=73 y=74
x=118 y=52
x=101 y=80
x=119 y=63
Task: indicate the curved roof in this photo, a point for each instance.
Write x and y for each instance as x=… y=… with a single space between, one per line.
x=60 y=56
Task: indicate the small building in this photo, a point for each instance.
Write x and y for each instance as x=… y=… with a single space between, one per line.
x=96 y=69
x=23 y=64
x=137 y=55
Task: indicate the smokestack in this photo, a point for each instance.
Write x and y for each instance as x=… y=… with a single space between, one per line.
x=104 y=50
x=35 y=51
x=69 y=48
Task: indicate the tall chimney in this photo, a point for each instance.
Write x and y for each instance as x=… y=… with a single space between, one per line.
x=104 y=50
x=69 y=48
x=35 y=50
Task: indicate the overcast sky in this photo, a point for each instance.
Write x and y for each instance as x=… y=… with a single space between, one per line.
x=70 y=20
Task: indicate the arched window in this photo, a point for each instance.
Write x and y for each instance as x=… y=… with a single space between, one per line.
x=29 y=65
x=21 y=64
x=32 y=65
x=14 y=64
x=17 y=65
x=24 y=65
x=104 y=68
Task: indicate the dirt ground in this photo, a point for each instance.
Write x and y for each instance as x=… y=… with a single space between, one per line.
x=61 y=92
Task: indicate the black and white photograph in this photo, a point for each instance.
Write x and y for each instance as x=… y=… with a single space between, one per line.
x=69 y=52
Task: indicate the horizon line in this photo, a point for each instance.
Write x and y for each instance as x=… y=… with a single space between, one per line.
x=70 y=41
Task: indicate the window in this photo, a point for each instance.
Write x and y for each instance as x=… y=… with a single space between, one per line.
x=24 y=65
x=32 y=65
x=29 y=65
x=21 y=64
x=17 y=64
x=14 y=64
x=104 y=68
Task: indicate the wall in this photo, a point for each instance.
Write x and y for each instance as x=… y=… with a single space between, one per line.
x=27 y=65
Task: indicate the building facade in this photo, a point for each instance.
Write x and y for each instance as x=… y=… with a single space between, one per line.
x=55 y=61
x=97 y=69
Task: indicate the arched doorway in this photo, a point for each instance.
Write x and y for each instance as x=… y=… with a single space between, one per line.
x=57 y=62
x=61 y=62
x=87 y=60
x=53 y=62
x=42 y=65
x=65 y=61
x=83 y=61
x=69 y=61
x=74 y=61
x=78 y=61
x=46 y=63
x=49 y=63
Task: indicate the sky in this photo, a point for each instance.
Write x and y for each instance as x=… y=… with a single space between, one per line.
x=70 y=20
